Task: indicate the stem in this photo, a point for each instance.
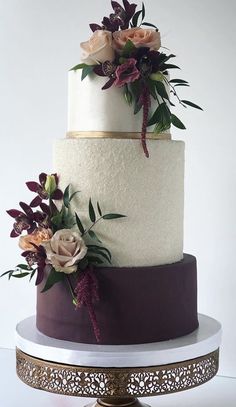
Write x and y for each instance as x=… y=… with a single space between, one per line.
x=75 y=302
x=174 y=91
x=146 y=104
x=86 y=231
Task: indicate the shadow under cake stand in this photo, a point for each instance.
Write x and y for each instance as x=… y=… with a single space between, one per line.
x=117 y=375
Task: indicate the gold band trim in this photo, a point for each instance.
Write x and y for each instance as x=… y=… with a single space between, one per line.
x=116 y=135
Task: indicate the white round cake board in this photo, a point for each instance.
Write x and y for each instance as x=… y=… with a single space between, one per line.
x=202 y=341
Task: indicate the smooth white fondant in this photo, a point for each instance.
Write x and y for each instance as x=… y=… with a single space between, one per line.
x=92 y=109
x=150 y=192
x=205 y=339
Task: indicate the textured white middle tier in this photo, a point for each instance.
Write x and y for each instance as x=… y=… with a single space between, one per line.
x=92 y=109
x=150 y=192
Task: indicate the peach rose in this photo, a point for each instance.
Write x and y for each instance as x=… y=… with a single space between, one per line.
x=98 y=48
x=65 y=249
x=38 y=236
x=139 y=36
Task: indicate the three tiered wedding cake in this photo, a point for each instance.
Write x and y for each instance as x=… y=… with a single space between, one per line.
x=143 y=289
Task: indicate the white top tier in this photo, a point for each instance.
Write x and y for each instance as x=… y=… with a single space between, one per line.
x=94 y=109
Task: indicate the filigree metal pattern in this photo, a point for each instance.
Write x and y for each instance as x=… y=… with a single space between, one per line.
x=115 y=382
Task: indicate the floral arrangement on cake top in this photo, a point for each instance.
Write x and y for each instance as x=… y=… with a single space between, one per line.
x=57 y=244
x=125 y=49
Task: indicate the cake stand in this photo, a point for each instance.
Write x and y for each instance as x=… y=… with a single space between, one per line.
x=117 y=375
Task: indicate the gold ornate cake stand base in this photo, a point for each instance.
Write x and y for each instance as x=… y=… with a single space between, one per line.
x=115 y=387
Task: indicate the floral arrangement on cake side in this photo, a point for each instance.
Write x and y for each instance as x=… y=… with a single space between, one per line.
x=125 y=49
x=57 y=243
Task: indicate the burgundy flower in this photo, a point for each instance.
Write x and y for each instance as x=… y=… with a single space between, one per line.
x=127 y=73
x=27 y=219
x=147 y=61
x=119 y=19
x=24 y=220
x=108 y=69
x=37 y=257
x=42 y=190
x=87 y=294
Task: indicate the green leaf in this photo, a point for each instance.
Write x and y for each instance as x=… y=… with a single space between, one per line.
x=128 y=96
x=24 y=267
x=57 y=220
x=99 y=209
x=79 y=66
x=178 y=81
x=186 y=102
x=79 y=224
x=7 y=272
x=113 y=216
x=94 y=259
x=135 y=18
x=100 y=253
x=66 y=196
x=149 y=25
x=152 y=88
x=83 y=264
x=181 y=84
x=161 y=90
x=92 y=214
x=128 y=48
x=136 y=89
x=93 y=235
x=177 y=122
x=143 y=11
x=20 y=275
x=170 y=66
x=53 y=278
x=99 y=248
x=32 y=274
x=86 y=71
x=137 y=107
x=161 y=116
x=73 y=195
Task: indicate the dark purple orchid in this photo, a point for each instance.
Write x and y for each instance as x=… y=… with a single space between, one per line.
x=24 y=220
x=119 y=19
x=127 y=72
x=45 y=189
x=38 y=257
x=108 y=69
x=148 y=62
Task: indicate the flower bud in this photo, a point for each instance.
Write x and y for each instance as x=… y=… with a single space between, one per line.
x=50 y=184
x=157 y=76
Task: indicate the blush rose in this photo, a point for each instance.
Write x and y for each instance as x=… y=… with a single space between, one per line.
x=64 y=250
x=39 y=236
x=140 y=37
x=98 y=48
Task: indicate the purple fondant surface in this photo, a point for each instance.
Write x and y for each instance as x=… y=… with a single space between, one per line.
x=137 y=305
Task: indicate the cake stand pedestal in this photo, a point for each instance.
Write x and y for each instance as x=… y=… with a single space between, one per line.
x=117 y=375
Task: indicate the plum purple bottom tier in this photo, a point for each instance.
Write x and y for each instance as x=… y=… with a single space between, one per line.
x=136 y=305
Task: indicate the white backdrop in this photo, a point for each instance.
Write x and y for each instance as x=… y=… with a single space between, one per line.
x=39 y=42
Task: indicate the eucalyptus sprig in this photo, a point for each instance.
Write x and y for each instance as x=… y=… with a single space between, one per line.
x=95 y=216
x=20 y=271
